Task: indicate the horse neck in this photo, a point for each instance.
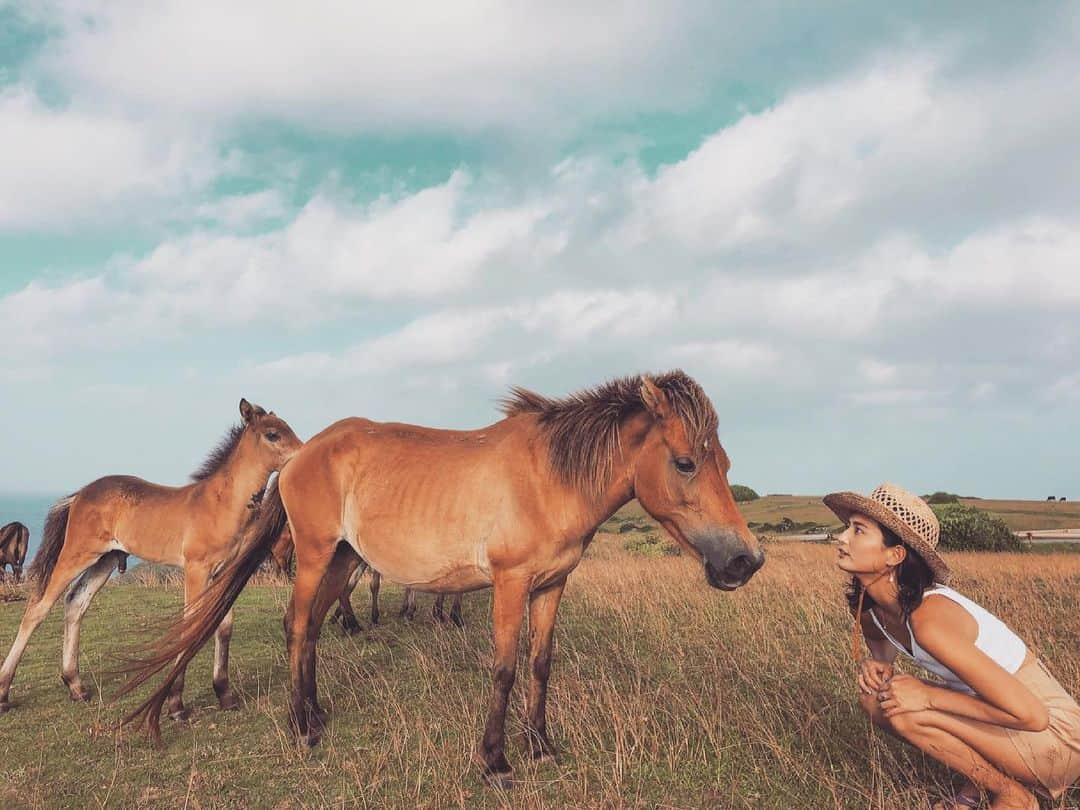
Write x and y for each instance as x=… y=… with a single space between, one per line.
x=241 y=476
x=618 y=490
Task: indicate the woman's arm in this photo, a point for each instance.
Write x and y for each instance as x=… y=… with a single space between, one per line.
x=875 y=672
x=948 y=632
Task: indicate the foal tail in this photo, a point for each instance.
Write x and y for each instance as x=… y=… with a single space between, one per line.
x=186 y=636
x=52 y=541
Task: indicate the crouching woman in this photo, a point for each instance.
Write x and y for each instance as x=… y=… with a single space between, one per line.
x=1000 y=718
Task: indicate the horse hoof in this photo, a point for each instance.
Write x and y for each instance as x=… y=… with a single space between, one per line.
x=309 y=740
x=229 y=703
x=539 y=747
x=351 y=628
x=500 y=780
x=5 y=707
x=181 y=715
x=81 y=695
x=457 y=620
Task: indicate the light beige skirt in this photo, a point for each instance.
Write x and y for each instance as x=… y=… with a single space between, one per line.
x=1053 y=754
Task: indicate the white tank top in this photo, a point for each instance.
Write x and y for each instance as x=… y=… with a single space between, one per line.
x=995 y=639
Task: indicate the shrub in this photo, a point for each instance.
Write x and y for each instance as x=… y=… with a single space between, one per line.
x=941 y=498
x=743 y=494
x=965 y=528
x=652 y=545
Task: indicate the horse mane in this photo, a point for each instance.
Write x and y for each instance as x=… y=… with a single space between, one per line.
x=582 y=429
x=217 y=457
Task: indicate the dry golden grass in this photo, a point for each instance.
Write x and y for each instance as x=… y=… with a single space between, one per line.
x=664 y=693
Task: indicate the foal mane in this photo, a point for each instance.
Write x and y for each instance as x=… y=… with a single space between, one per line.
x=217 y=457
x=582 y=429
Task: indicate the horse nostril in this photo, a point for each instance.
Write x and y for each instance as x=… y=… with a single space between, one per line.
x=741 y=565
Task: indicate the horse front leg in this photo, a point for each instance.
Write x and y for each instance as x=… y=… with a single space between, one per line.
x=543 y=606
x=507 y=613
x=196 y=575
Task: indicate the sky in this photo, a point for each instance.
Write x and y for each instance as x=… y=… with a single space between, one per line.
x=856 y=226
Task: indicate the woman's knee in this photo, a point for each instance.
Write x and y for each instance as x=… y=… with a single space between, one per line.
x=910 y=724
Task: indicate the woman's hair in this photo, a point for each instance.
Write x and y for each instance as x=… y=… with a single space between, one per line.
x=913 y=576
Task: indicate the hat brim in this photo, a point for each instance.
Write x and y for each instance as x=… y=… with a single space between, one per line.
x=845 y=504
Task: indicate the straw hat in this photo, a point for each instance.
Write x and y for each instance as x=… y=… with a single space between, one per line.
x=908 y=516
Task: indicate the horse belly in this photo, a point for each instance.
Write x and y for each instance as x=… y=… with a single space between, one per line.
x=435 y=565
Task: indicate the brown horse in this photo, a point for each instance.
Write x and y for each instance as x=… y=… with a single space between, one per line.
x=14 y=538
x=510 y=506
x=196 y=526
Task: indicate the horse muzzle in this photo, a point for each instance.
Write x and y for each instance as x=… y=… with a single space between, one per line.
x=729 y=562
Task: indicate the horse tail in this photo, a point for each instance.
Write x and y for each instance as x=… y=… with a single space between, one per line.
x=52 y=541
x=186 y=636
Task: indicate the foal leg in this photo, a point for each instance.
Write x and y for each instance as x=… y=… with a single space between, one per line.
x=376 y=581
x=75 y=606
x=543 y=605
x=227 y=700
x=69 y=565
x=507 y=613
x=196 y=575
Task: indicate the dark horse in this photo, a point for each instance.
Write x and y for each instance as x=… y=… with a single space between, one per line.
x=14 y=538
x=511 y=506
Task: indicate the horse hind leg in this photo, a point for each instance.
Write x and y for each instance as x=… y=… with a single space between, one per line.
x=408 y=604
x=438 y=612
x=69 y=565
x=455 y=611
x=350 y=625
x=227 y=700
x=376 y=582
x=314 y=559
x=76 y=603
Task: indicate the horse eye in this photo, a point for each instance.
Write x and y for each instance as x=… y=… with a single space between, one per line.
x=273 y=436
x=685 y=465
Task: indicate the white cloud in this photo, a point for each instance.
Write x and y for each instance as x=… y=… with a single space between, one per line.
x=63 y=167
x=474 y=64
x=902 y=145
x=739 y=357
x=494 y=340
x=238 y=211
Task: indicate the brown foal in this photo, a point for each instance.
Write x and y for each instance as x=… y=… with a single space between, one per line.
x=196 y=526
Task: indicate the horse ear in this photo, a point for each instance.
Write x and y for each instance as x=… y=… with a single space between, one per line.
x=655 y=399
x=247 y=411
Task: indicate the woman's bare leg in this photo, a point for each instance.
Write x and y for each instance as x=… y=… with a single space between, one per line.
x=980 y=751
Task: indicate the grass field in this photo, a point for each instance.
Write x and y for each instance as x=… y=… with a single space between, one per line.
x=664 y=693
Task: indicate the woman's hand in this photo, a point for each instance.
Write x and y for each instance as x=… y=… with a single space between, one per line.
x=904 y=693
x=873 y=675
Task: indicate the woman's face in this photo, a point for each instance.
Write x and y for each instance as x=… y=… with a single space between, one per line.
x=861 y=548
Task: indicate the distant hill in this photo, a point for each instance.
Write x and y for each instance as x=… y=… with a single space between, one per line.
x=1018 y=515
